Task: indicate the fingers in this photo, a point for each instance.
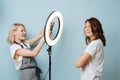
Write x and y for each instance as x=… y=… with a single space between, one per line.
x=42 y=39
x=50 y=34
x=52 y=24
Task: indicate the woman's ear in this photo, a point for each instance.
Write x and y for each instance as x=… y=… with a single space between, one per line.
x=14 y=33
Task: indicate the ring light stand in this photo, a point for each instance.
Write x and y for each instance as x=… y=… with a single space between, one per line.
x=47 y=29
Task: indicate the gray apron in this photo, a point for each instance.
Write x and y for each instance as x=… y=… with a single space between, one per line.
x=29 y=69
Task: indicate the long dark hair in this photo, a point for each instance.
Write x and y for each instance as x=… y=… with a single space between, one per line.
x=97 y=30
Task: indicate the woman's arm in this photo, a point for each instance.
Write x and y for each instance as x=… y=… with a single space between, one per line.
x=83 y=60
x=40 y=35
x=28 y=53
x=36 y=38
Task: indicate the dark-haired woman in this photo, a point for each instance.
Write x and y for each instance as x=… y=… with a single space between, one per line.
x=92 y=59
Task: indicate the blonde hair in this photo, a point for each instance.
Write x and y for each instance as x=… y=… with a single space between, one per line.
x=11 y=37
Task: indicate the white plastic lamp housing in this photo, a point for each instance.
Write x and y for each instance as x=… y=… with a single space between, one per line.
x=53 y=15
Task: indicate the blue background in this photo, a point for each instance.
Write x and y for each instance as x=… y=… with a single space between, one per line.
x=33 y=14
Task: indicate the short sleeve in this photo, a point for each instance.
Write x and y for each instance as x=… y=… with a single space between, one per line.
x=91 y=48
x=17 y=62
x=13 y=49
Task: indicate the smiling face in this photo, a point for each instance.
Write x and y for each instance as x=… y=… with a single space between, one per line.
x=88 y=30
x=20 y=34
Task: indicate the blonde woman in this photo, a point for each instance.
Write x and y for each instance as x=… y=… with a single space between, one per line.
x=21 y=52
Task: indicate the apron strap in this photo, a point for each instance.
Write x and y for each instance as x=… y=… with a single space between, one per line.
x=37 y=68
x=21 y=44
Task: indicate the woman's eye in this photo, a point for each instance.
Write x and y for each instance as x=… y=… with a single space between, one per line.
x=22 y=30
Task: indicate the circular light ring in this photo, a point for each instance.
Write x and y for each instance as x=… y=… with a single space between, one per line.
x=53 y=15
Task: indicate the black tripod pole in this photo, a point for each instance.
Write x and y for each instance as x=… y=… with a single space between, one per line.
x=49 y=53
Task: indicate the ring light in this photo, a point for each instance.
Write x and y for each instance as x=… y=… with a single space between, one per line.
x=53 y=15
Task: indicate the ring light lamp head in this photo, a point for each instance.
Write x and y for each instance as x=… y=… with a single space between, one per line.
x=53 y=15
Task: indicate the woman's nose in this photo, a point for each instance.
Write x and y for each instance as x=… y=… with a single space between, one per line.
x=24 y=32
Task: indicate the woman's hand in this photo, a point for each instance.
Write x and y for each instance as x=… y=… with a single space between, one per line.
x=50 y=34
x=51 y=28
x=41 y=34
x=42 y=39
x=52 y=24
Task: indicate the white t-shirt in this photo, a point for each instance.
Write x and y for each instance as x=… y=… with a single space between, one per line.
x=13 y=49
x=94 y=68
